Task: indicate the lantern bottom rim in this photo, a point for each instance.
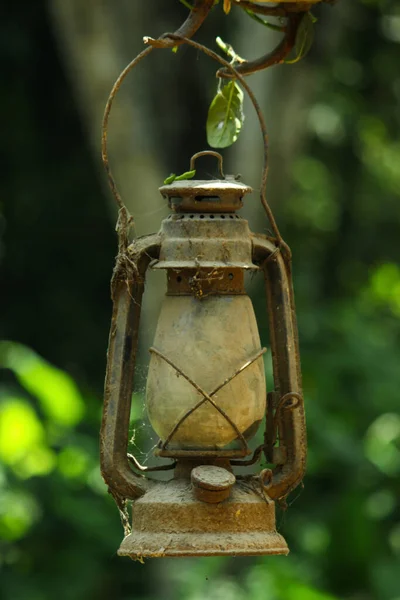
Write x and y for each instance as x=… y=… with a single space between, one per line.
x=140 y=546
x=169 y=520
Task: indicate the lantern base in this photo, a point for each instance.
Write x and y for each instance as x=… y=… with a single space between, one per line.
x=169 y=521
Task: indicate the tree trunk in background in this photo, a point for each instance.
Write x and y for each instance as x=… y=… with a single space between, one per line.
x=91 y=38
x=97 y=40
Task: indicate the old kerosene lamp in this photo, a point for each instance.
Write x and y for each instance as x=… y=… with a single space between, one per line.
x=206 y=393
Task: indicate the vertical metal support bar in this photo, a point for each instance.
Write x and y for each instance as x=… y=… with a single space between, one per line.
x=128 y=288
x=286 y=366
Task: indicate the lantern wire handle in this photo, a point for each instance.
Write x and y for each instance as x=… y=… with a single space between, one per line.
x=125 y=220
x=208 y=153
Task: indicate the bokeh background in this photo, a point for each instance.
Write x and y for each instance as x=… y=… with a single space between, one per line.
x=334 y=123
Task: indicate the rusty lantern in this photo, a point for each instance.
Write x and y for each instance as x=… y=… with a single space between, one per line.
x=205 y=394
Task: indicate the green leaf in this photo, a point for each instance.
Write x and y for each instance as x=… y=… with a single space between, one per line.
x=19 y=510
x=22 y=439
x=170 y=179
x=225 y=116
x=304 y=37
x=173 y=177
x=57 y=392
x=186 y=175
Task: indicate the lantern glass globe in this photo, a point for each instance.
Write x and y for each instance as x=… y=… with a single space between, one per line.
x=208 y=340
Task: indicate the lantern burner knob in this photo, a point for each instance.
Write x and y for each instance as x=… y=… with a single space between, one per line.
x=211 y=484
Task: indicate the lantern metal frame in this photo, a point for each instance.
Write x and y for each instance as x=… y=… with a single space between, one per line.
x=285 y=411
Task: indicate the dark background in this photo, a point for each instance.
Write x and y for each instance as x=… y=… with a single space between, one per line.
x=334 y=124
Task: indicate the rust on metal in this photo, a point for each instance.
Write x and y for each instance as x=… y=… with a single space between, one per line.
x=206 y=240
x=127 y=292
x=203 y=510
x=286 y=369
x=211 y=477
x=202 y=283
x=201 y=196
x=170 y=521
x=287 y=420
x=216 y=155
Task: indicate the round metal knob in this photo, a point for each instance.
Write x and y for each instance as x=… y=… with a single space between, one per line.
x=211 y=484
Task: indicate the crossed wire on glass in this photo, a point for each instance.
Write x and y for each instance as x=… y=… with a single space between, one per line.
x=207 y=397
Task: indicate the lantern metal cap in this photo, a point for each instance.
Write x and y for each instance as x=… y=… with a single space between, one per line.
x=223 y=195
x=192 y=187
x=219 y=196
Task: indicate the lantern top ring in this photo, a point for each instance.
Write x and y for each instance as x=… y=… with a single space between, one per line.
x=217 y=155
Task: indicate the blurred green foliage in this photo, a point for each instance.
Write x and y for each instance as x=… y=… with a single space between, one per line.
x=59 y=529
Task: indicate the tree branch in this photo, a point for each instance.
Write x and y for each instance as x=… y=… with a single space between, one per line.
x=275 y=57
x=196 y=18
